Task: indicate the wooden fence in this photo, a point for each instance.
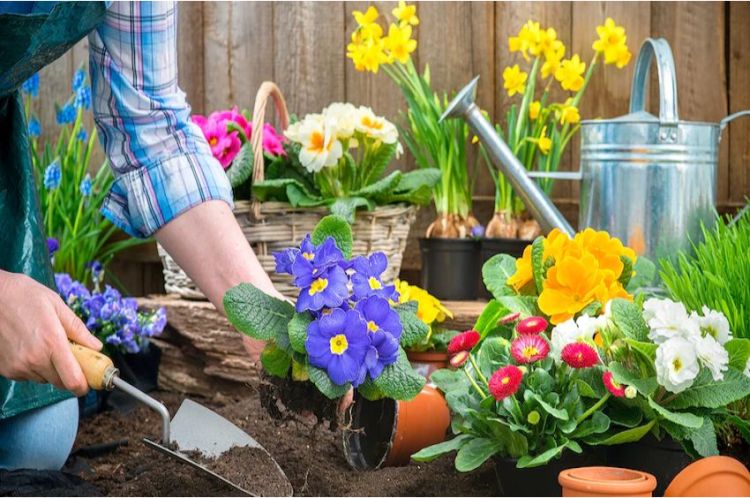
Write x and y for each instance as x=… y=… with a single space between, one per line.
x=227 y=49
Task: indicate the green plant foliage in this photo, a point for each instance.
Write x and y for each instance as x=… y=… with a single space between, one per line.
x=255 y=313
x=716 y=274
x=399 y=380
x=496 y=272
x=298 y=331
x=414 y=329
x=275 y=360
x=323 y=383
x=338 y=228
x=628 y=318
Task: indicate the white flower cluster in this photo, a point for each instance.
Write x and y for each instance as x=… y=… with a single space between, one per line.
x=324 y=135
x=686 y=342
x=571 y=331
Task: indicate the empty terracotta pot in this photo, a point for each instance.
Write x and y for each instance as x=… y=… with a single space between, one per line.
x=606 y=481
x=387 y=432
x=711 y=476
x=426 y=362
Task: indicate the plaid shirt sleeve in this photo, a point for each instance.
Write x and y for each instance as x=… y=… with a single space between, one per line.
x=161 y=161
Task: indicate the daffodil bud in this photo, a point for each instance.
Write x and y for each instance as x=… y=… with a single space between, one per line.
x=533 y=417
x=630 y=392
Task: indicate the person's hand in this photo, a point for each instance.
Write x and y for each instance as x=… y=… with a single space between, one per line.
x=35 y=327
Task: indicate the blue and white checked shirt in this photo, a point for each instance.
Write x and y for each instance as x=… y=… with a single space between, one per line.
x=162 y=163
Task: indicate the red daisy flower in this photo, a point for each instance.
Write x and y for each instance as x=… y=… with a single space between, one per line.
x=463 y=341
x=458 y=359
x=532 y=325
x=617 y=389
x=509 y=318
x=528 y=348
x=505 y=382
x=579 y=355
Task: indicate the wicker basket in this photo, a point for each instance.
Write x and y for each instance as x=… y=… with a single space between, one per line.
x=273 y=226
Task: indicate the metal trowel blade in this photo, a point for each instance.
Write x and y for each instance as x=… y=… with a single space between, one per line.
x=196 y=428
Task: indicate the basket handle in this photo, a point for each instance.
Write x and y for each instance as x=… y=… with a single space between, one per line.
x=267 y=90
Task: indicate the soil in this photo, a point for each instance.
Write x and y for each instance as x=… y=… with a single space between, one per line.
x=284 y=399
x=308 y=451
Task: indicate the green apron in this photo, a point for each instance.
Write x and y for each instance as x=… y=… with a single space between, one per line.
x=28 y=43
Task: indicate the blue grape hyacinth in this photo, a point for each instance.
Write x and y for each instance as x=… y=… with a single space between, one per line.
x=53 y=175
x=66 y=114
x=31 y=86
x=35 y=127
x=86 y=186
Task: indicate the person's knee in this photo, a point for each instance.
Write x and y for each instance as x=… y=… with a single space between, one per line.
x=39 y=439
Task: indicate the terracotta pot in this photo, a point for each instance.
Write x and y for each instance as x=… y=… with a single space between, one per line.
x=387 y=432
x=606 y=481
x=711 y=476
x=426 y=362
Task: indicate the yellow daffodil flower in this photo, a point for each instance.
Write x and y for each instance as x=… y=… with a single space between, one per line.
x=370 y=16
x=570 y=73
x=552 y=59
x=368 y=56
x=612 y=43
x=534 y=109
x=514 y=80
x=544 y=40
x=406 y=14
x=569 y=113
x=399 y=43
x=544 y=142
x=528 y=34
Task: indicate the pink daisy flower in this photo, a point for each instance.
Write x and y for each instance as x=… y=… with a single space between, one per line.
x=579 y=355
x=528 y=348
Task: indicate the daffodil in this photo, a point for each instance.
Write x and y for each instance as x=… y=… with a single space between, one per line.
x=568 y=114
x=534 y=109
x=364 y=19
x=406 y=14
x=368 y=55
x=570 y=73
x=399 y=43
x=514 y=80
x=543 y=40
x=552 y=59
x=612 y=43
x=544 y=142
x=528 y=35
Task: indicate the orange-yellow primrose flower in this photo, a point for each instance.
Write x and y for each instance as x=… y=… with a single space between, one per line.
x=514 y=80
x=574 y=282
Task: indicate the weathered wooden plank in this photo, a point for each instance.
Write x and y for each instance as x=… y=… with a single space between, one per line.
x=309 y=60
x=739 y=99
x=238 y=52
x=190 y=53
x=696 y=33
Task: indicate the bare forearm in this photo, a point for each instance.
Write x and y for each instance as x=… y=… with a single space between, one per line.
x=209 y=245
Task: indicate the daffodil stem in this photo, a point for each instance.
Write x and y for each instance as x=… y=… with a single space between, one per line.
x=593 y=408
x=476 y=369
x=474 y=384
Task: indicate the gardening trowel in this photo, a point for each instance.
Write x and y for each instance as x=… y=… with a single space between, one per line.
x=194 y=427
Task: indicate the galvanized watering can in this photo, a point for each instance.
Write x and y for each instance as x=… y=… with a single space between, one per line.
x=649 y=181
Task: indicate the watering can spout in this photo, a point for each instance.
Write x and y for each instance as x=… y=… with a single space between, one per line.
x=539 y=205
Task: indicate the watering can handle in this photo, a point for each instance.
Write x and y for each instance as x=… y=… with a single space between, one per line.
x=667 y=80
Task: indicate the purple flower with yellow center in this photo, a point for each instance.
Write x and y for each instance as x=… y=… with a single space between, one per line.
x=366 y=277
x=338 y=342
x=382 y=352
x=379 y=316
x=319 y=288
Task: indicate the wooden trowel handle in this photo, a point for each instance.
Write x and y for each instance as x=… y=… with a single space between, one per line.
x=98 y=368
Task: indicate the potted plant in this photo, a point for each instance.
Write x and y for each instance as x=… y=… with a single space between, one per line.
x=450 y=266
x=431 y=353
x=536 y=128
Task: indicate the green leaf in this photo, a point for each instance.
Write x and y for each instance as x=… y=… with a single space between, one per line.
x=493 y=311
x=537 y=262
x=624 y=415
x=299 y=371
x=526 y=305
x=528 y=461
x=418 y=178
x=627 y=270
x=555 y=412
x=645 y=271
x=626 y=436
x=338 y=228
x=473 y=454
x=378 y=160
x=437 y=450
x=275 y=361
x=324 y=384
x=275 y=189
x=496 y=272
x=398 y=380
x=346 y=207
x=682 y=418
x=381 y=188
x=597 y=424
x=298 y=331
x=704 y=439
x=735 y=386
x=628 y=318
x=742 y=425
x=419 y=196
x=739 y=353
x=622 y=375
x=369 y=390
x=298 y=198
x=449 y=380
x=646 y=349
x=242 y=166
x=414 y=329
x=255 y=313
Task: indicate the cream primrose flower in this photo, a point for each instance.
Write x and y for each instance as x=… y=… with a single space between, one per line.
x=713 y=323
x=572 y=331
x=345 y=116
x=320 y=148
x=676 y=364
x=376 y=126
x=668 y=319
x=712 y=355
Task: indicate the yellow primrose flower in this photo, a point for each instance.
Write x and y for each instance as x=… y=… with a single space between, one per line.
x=544 y=142
x=555 y=245
x=552 y=59
x=514 y=80
x=569 y=113
x=406 y=14
x=399 y=43
x=606 y=249
x=534 y=109
x=570 y=73
x=429 y=309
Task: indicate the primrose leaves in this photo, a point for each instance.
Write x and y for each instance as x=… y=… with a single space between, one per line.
x=275 y=360
x=325 y=385
x=298 y=331
x=414 y=329
x=628 y=318
x=399 y=380
x=437 y=450
x=338 y=228
x=496 y=272
x=255 y=313
x=474 y=453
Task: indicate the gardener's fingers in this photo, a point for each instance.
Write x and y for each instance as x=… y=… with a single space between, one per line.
x=75 y=329
x=66 y=365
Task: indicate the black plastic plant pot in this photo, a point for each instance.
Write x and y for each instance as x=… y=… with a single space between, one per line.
x=451 y=268
x=542 y=480
x=494 y=246
x=140 y=369
x=664 y=459
x=386 y=433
